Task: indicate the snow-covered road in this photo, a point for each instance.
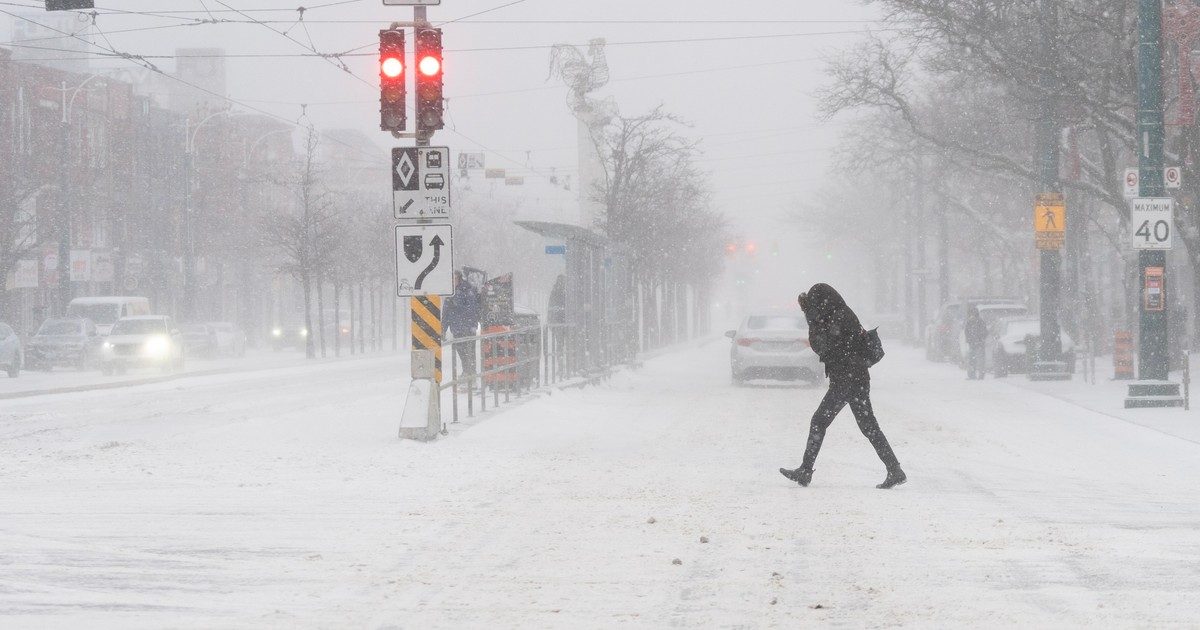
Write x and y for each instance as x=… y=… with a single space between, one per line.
x=282 y=498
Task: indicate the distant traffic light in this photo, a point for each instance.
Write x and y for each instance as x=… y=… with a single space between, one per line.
x=392 y=91
x=774 y=248
x=731 y=248
x=751 y=248
x=428 y=48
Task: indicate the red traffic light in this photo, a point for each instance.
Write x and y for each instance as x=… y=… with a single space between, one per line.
x=751 y=247
x=392 y=91
x=731 y=248
x=430 y=66
x=391 y=67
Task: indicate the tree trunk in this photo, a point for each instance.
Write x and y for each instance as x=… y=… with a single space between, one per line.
x=321 y=313
x=353 y=327
x=374 y=320
x=309 y=350
x=337 y=319
x=362 y=318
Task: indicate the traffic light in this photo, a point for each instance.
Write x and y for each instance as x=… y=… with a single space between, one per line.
x=751 y=248
x=392 y=91
x=429 y=79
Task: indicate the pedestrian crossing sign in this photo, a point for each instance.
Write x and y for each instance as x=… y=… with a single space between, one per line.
x=1050 y=220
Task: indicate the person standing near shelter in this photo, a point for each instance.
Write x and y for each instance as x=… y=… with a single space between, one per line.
x=462 y=311
x=976 y=332
x=838 y=338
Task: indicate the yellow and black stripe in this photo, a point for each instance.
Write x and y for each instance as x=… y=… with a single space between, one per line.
x=427 y=329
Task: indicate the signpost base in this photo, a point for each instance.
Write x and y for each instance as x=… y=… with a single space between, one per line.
x=1147 y=394
x=1050 y=371
x=422 y=417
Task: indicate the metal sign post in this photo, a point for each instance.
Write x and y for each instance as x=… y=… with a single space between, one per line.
x=424 y=257
x=1050 y=227
x=1153 y=387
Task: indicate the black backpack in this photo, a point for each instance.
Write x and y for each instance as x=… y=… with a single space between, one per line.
x=871 y=348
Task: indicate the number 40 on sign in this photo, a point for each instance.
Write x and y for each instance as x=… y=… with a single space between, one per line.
x=1151 y=222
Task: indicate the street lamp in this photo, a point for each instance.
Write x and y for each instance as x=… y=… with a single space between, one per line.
x=64 y=237
x=189 y=254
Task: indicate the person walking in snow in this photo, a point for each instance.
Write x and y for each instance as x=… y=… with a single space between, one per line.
x=838 y=338
x=976 y=331
x=462 y=312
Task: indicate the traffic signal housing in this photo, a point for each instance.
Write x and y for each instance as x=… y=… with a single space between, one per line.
x=392 y=89
x=428 y=48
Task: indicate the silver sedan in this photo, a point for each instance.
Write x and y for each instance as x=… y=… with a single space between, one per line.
x=773 y=346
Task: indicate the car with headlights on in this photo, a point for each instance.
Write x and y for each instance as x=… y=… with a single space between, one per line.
x=70 y=342
x=147 y=340
x=1011 y=339
x=773 y=346
x=11 y=355
x=289 y=335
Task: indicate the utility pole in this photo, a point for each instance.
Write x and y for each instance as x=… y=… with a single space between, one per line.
x=425 y=169
x=1049 y=364
x=922 y=297
x=1152 y=388
x=189 y=249
x=64 y=229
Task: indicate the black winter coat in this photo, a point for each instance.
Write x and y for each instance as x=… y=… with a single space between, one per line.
x=975 y=330
x=835 y=334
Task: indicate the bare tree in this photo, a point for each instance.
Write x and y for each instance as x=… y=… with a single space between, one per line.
x=18 y=226
x=657 y=209
x=306 y=237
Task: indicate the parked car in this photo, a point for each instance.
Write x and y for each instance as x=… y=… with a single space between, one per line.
x=199 y=340
x=773 y=346
x=11 y=356
x=148 y=340
x=104 y=311
x=1010 y=341
x=64 y=341
x=942 y=334
x=991 y=314
x=230 y=338
x=288 y=335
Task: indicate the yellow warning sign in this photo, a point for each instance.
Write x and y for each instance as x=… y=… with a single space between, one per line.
x=1050 y=220
x=427 y=329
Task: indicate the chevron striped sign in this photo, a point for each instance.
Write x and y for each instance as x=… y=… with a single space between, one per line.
x=427 y=329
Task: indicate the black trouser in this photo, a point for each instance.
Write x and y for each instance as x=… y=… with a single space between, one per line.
x=466 y=355
x=856 y=393
x=975 y=361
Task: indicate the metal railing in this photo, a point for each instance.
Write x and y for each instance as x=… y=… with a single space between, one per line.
x=506 y=364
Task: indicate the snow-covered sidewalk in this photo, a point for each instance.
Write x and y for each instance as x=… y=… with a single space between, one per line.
x=282 y=498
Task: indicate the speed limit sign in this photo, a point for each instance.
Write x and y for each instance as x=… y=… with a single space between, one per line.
x=1151 y=222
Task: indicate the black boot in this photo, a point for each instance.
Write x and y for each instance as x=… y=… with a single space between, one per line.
x=895 y=477
x=801 y=476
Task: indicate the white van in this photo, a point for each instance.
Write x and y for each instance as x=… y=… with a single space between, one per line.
x=104 y=311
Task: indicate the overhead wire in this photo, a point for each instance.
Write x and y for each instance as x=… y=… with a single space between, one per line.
x=153 y=68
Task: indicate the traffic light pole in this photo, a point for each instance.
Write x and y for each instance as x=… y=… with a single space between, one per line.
x=1049 y=364
x=1152 y=388
x=422 y=415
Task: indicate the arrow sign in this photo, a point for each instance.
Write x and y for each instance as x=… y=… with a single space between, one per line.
x=436 y=244
x=424 y=260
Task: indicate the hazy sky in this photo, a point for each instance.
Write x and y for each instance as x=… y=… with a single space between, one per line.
x=750 y=99
x=763 y=145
